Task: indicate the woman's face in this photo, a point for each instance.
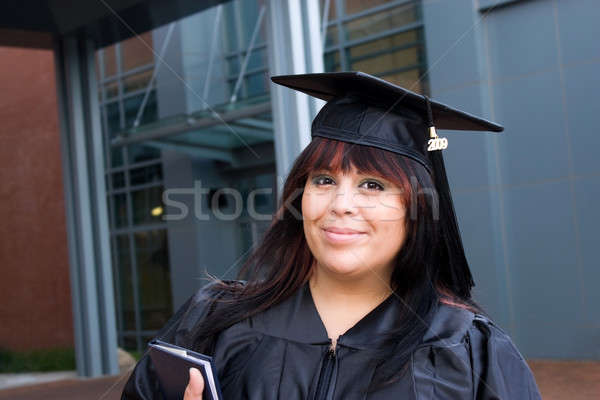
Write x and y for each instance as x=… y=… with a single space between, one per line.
x=354 y=224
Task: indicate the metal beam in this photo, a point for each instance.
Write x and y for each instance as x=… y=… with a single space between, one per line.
x=256 y=123
x=294 y=48
x=191 y=125
x=324 y=21
x=211 y=55
x=85 y=200
x=193 y=150
x=157 y=64
x=246 y=132
x=261 y=14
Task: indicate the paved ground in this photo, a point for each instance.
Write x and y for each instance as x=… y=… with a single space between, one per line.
x=567 y=380
x=108 y=388
x=32 y=378
x=558 y=380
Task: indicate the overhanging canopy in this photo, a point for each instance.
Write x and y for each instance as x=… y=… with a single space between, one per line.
x=34 y=23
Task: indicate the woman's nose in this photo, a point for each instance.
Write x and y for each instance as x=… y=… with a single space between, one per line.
x=343 y=200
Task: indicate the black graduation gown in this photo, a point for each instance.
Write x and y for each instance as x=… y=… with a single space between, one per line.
x=282 y=353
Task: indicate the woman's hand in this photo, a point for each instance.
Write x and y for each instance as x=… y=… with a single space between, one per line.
x=195 y=387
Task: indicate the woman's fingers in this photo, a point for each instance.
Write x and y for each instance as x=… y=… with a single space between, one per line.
x=195 y=387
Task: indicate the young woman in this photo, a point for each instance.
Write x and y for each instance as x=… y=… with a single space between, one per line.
x=360 y=289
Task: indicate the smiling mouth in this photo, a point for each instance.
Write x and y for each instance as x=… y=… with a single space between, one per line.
x=339 y=236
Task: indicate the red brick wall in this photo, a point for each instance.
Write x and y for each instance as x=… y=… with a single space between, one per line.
x=35 y=298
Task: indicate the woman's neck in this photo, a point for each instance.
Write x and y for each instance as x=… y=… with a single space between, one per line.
x=345 y=290
x=341 y=303
x=340 y=289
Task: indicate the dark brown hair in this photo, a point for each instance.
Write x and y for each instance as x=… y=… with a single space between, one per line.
x=282 y=262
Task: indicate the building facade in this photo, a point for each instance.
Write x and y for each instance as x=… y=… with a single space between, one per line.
x=215 y=59
x=35 y=297
x=192 y=144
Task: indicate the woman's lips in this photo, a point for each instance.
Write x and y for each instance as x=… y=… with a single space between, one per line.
x=342 y=235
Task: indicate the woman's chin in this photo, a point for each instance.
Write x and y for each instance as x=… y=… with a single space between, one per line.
x=345 y=270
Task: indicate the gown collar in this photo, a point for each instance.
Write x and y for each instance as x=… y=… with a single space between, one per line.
x=297 y=319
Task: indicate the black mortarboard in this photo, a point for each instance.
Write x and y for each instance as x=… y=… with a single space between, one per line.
x=367 y=110
x=370 y=111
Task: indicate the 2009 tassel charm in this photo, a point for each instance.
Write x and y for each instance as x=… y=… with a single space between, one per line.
x=436 y=142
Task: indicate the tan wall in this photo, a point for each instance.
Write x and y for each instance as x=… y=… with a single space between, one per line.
x=35 y=298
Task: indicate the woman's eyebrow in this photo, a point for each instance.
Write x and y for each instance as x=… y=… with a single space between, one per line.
x=322 y=170
x=360 y=175
x=373 y=176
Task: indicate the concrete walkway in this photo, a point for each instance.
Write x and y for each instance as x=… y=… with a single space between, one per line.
x=567 y=380
x=8 y=381
x=105 y=388
x=558 y=380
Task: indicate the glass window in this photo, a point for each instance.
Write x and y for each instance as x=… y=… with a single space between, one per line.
x=388 y=54
x=111 y=90
x=258 y=59
x=331 y=36
x=398 y=57
x=387 y=62
x=240 y=20
x=137 y=51
x=385 y=44
x=116 y=156
x=110 y=61
x=137 y=81
x=332 y=61
x=118 y=180
x=246 y=237
x=229 y=21
x=332 y=10
x=130 y=342
x=147 y=205
x=355 y=6
x=233 y=64
x=105 y=148
x=152 y=256
x=98 y=66
x=249 y=11
x=382 y=21
x=132 y=106
x=138 y=153
x=146 y=339
x=140 y=176
x=120 y=210
x=408 y=79
x=113 y=118
x=264 y=201
x=124 y=284
x=256 y=84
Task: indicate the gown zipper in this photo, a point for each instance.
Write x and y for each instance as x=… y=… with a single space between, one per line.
x=325 y=375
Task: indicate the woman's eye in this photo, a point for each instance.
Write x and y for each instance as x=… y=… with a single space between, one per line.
x=372 y=185
x=322 y=180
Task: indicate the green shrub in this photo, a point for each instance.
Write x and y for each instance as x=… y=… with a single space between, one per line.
x=58 y=359
x=136 y=354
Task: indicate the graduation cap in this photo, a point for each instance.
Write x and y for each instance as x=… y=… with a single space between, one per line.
x=367 y=110
x=370 y=111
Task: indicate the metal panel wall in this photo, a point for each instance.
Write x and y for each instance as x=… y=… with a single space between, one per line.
x=524 y=197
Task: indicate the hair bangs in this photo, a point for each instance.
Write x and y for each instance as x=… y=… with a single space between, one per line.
x=337 y=156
